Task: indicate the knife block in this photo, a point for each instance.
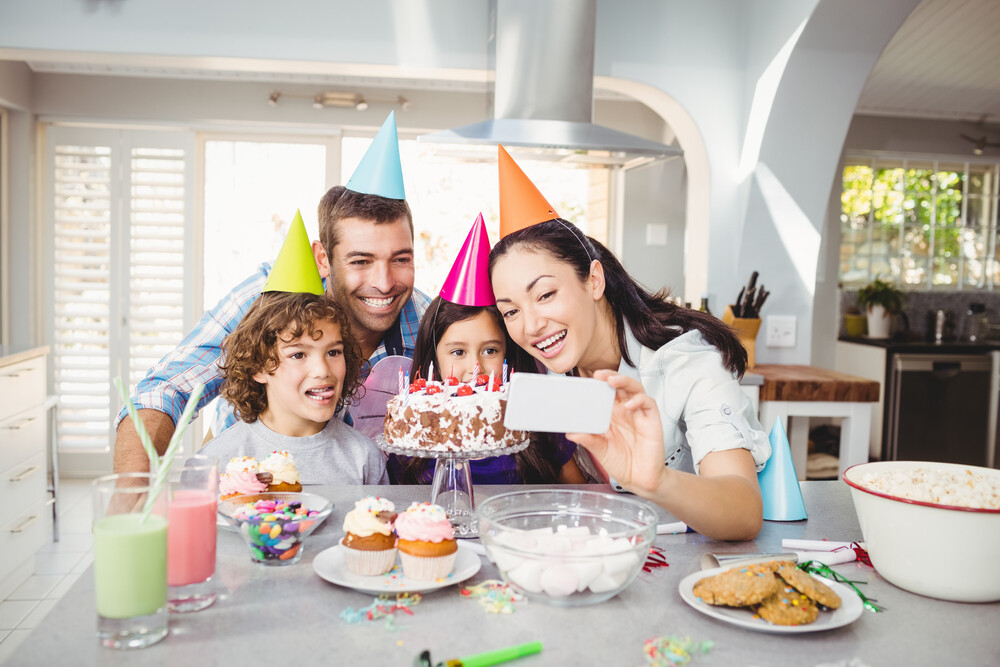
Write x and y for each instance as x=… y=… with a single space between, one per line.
x=746 y=329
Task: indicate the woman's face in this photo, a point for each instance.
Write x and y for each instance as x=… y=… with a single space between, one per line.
x=468 y=343
x=548 y=310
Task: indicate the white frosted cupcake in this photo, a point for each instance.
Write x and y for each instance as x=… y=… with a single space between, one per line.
x=427 y=545
x=370 y=544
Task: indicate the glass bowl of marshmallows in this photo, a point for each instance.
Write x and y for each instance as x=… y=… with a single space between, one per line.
x=566 y=547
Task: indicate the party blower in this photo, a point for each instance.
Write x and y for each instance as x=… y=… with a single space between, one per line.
x=496 y=657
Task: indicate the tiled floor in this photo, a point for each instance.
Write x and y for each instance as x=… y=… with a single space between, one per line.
x=57 y=567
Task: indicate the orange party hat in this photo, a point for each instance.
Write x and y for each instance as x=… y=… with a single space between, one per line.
x=521 y=204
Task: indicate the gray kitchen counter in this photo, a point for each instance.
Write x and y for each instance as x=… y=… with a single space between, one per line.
x=290 y=616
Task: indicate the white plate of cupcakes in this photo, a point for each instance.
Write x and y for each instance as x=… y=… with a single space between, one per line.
x=384 y=552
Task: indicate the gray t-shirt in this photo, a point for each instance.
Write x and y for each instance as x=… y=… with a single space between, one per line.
x=336 y=455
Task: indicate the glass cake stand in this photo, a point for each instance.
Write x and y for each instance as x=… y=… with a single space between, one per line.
x=452 y=485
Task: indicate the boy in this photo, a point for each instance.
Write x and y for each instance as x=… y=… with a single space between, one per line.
x=289 y=366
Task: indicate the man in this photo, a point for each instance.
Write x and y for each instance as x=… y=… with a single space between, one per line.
x=365 y=254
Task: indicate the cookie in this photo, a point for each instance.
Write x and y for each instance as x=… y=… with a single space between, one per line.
x=739 y=587
x=808 y=585
x=788 y=607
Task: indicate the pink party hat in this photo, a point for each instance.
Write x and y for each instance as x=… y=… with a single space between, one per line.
x=468 y=282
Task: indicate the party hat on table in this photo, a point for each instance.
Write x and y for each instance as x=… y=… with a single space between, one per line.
x=295 y=268
x=779 y=485
x=521 y=204
x=380 y=172
x=468 y=282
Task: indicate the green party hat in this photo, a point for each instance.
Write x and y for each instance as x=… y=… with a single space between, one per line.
x=295 y=268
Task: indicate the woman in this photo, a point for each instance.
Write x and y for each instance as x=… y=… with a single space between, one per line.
x=683 y=434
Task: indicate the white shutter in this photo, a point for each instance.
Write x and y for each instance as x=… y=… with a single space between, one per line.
x=120 y=285
x=156 y=257
x=81 y=298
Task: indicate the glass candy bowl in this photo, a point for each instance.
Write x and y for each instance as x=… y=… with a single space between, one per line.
x=275 y=525
x=567 y=547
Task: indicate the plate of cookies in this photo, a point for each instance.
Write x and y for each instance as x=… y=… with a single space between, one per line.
x=773 y=597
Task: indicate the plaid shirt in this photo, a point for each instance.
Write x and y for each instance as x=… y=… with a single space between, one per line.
x=168 y=384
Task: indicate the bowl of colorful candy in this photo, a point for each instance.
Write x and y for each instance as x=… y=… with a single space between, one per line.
x=567 y=547
x=931 y=528
x=274 y=525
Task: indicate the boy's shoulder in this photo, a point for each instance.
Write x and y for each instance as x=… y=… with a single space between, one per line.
x=341 y=431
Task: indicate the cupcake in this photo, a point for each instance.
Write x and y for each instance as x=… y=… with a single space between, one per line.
x=284 y=476
x=242 y=477
x=370 y=545
x=426 y=543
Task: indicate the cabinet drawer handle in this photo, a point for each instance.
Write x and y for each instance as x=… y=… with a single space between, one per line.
x=20 y=528
x=20 y=425
x=17 y=374
x=25 y=475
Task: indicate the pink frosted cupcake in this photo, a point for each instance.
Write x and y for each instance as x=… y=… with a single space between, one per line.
x=427 y=545
x=242 y=477
x=370 y=545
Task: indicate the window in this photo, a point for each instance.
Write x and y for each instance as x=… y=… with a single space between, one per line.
x=118 y=219
x=925 y=224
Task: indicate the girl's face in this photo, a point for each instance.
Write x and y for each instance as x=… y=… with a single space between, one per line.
x=548 y=311
x=477 y=340
x=302 y=392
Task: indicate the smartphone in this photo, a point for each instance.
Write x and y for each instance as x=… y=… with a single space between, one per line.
x=558 y=404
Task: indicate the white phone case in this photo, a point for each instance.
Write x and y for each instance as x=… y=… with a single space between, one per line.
x=558 y=404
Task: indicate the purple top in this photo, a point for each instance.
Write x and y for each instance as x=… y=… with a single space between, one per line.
x=492 y=470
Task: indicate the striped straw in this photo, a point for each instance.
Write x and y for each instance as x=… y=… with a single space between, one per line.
x=168 y=456
x=140 y=428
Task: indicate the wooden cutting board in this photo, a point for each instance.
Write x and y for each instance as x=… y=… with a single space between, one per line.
x=808 y=383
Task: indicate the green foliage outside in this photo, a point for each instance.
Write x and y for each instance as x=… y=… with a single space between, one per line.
x=896 y=223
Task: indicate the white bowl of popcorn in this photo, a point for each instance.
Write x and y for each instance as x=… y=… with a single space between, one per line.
x=931 y=528
x=567 y=547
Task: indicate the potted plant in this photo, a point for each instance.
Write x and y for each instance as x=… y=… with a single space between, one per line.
x=880 y=301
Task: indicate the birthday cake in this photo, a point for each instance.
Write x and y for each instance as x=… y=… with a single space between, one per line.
x=450 y=416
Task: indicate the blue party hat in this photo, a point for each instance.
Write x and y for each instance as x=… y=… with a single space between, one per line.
x=779 y=486
x=380 y=172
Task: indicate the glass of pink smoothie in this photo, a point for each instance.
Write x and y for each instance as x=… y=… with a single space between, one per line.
x=130 y=561
x=191 y=534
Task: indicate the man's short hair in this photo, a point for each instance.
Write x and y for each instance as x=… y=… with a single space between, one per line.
x=340 y=203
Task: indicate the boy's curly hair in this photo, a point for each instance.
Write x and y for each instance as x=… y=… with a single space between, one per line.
x=253 y=347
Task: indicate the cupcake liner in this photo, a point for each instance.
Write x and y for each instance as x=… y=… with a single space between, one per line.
x=369 y=563
x=424 y=568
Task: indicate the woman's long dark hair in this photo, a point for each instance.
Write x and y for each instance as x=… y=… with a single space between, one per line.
x=653 y=320
x=535 y=464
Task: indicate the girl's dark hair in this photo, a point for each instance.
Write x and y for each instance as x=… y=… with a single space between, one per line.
x=253 y=347
x=654 y=320
x=535 y=463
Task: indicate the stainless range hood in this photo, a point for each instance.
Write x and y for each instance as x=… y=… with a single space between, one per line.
x=543 y=91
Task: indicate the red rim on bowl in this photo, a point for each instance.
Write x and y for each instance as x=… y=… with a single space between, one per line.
x=855 y=485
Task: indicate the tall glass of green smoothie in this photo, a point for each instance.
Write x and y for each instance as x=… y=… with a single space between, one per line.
x=130 y=561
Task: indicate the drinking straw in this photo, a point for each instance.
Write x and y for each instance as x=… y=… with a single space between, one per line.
x=168 y=456
x=140 y=428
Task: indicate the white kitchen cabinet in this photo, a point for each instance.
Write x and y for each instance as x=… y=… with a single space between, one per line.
x=866 y=361
x=26 y=524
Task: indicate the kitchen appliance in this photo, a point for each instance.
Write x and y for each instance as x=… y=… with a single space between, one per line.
x=943 y=407
x=544 y=83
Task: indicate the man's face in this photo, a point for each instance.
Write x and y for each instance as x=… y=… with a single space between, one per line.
x=371 y=272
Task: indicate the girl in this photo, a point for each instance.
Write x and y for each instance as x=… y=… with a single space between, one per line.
x=683 y=434
x=463 y=341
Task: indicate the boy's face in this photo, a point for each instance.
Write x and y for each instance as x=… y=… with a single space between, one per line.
x=302 y=392
x=477 y=340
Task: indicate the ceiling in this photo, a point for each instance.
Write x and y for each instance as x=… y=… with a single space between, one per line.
x=944 y=63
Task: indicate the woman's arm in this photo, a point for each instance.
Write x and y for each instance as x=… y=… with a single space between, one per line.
x=570 y=474
x=722 y=503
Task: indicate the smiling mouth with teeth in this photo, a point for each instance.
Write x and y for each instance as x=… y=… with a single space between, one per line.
x=322 y=393
x=550 y=341
x=378 y=303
